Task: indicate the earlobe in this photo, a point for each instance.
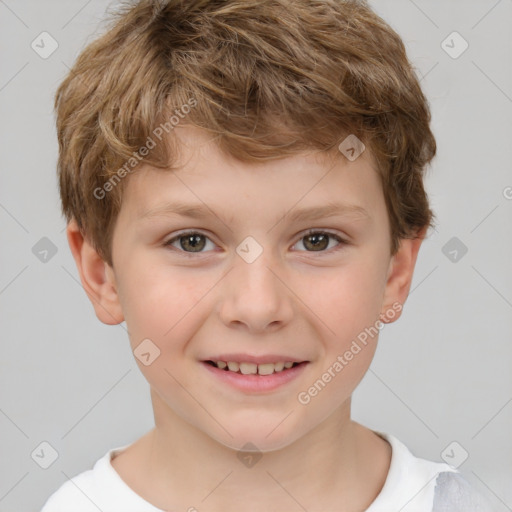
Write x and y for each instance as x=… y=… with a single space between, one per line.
x=96 y=275
x=400 y=276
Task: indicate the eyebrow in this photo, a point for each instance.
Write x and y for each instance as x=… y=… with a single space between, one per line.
x=201 y=211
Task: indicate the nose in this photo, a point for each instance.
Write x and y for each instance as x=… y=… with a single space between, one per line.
x=255 y=296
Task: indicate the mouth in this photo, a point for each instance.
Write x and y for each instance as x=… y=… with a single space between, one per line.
x=259 y=376
x=250 y=368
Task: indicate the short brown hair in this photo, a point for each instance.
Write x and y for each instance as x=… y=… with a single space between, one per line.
x=270 y=78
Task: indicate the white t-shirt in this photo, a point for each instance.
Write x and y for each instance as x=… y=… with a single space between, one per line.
x=412 y=485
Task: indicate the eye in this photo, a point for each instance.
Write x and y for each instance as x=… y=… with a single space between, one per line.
x=192 y=242
x=189 y=242
x=318 y=241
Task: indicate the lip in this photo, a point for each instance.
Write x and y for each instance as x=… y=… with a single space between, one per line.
x=262 y=359
x=256 y=383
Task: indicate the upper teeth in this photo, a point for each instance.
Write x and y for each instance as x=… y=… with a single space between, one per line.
x=253 y=368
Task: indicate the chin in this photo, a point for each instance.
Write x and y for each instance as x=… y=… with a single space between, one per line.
x=252 y=436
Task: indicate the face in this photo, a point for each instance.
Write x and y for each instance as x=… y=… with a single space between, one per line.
x=251 y=274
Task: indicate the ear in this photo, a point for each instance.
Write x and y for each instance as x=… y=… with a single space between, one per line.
x=97 y=277
x=399 y=279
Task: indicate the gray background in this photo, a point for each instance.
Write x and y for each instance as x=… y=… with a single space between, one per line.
x=441 y=374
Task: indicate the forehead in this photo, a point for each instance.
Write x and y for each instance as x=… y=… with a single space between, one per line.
x=204 y=176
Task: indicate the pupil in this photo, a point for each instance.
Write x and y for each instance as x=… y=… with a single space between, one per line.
x=193 y=241
x=317 y=240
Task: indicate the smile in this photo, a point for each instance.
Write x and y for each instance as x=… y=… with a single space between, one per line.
x=253 y=368
x=262 y=377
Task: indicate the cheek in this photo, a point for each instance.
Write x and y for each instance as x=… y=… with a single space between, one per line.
x=347 y=299
x=348 y=303
x=162 y=306
x=159 y=303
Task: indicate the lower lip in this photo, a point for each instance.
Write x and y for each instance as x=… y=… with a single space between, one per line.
x=256 y=383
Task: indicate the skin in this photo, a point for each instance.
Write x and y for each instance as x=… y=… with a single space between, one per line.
x=292 y=299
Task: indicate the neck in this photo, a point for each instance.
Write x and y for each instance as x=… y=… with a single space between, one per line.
x=337 y=465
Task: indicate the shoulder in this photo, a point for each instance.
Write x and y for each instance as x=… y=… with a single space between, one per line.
x=77 y=494
x=99 y=488
x=414 y=484
x=453 y=493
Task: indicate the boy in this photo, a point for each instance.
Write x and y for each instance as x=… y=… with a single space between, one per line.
x=243 y=186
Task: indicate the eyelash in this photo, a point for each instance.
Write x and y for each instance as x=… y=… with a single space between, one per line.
x=341 y=241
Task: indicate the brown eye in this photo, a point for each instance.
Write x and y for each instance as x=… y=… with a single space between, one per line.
x=318 y=241
x=191 y=242
x=194 y=242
